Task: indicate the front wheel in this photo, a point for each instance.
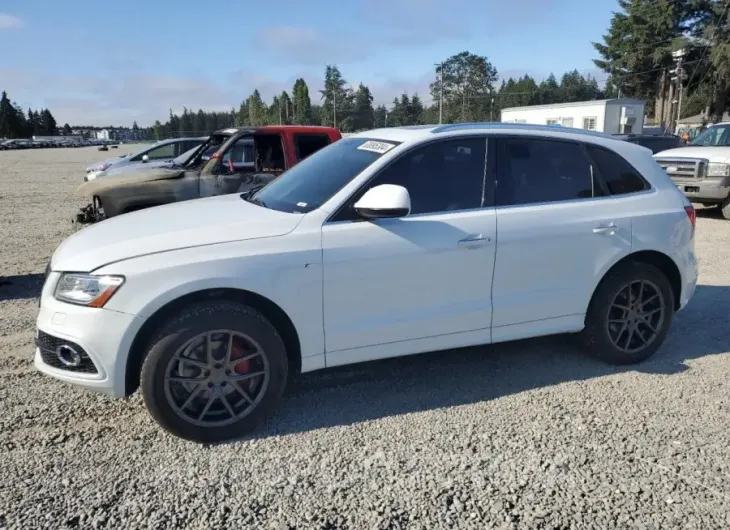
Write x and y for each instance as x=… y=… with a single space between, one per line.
x=214 y=372
x=725 y=207
x=630 y=314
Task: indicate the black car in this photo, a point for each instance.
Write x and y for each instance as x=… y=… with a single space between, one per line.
x=653 y=142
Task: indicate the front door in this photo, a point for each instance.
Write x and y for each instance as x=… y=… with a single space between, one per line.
x=425 y=275
x=559 y=230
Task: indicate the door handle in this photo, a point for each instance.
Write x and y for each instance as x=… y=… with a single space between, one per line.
x=608 y=229
x=473 y=241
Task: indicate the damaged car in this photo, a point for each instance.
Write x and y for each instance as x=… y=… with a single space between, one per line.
x=162 y=151
x=234 y=160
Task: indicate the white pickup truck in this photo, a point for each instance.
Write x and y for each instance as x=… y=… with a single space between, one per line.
x=702 y=169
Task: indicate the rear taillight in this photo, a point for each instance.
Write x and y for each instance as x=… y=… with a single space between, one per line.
x=692 y=214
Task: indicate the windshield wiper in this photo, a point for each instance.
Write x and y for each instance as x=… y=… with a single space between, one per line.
x=248 y=196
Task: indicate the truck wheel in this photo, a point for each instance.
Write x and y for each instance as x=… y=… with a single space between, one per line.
x=630 y=314
x=214 y=372
x=725 y=208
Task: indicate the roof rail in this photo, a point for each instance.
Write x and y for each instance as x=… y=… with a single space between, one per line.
x=519 y=126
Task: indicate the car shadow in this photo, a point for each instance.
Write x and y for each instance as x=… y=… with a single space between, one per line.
x=374 y=390
x=21 y=287
x=709 y=213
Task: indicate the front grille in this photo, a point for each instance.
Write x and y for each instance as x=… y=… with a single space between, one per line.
x=684 y=168
x=49 y=347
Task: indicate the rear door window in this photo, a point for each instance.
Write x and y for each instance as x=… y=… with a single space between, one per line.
x=308 y=143
x=620 y=176
x=162 y=152
x=533 y=170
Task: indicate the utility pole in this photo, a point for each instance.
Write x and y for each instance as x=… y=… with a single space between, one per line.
x=679 y=76
x=334 y=107
x=441 y=89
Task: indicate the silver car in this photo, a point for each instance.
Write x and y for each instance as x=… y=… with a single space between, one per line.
x=162 y=151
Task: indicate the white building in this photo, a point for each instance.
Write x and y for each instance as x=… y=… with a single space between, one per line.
x=611 y=116
x=103 y=134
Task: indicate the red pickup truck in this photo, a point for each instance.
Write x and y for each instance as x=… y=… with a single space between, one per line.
x=229 y=161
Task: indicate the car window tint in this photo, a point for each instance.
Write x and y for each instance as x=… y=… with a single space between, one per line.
x=619 y=175
x=536 y=170
x=306 y=144
x=164 y=151
x=441 y=176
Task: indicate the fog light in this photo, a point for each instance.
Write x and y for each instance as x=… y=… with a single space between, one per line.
x=68 y=356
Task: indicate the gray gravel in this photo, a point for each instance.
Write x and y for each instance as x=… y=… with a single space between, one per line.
x=525 y=435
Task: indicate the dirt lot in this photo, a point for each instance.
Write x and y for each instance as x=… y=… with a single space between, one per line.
x=525 y=435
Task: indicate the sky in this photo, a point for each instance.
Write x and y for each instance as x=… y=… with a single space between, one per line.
x=112 y=63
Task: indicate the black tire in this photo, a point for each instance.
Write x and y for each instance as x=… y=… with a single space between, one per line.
x=725 y=208
x=190 y=322
x=596 y=338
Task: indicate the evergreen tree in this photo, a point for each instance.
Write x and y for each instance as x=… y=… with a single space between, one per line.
x=364 y=114
x=301 y=104
x=8 y=118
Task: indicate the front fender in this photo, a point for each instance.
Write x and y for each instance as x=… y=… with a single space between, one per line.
x=291 y=279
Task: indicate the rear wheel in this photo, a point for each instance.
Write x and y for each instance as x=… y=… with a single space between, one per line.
x=215 y=372
x=630 y=314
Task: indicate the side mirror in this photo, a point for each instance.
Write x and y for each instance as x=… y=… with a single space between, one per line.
x=384 y=201
x=145 y=158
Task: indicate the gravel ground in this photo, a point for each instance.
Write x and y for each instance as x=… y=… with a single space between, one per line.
x=525 y=435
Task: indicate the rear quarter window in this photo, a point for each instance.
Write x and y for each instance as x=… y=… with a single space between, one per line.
x=620 y=176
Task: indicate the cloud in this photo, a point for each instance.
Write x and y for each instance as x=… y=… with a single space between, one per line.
x=308 y=46
x=10 y=22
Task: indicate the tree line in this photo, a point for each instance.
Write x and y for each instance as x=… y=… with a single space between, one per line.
x=15 y=123
x=637 y=54
x=467 y=88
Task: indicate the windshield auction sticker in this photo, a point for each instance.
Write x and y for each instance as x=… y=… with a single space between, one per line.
x=376 y=147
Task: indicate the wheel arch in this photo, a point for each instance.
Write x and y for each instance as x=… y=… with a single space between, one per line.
x=275 y=314
x=651 y=257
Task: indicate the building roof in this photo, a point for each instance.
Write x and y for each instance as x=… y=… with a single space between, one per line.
x=602 y=102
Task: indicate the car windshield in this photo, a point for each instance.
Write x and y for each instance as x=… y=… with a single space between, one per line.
x=314 y=180
x=719 y=135
x=204 y=151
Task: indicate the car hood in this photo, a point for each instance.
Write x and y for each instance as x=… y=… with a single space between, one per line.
x=112 y=161
x=129 y=167
x=711 y=153
x=126 y=175
x=186 y=224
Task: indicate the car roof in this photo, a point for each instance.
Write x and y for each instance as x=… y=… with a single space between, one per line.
x=421 y=133
x=173 y=140
x=276 y=128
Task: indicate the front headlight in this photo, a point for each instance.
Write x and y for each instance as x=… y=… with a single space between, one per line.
x=87 y=289
x=718 y=169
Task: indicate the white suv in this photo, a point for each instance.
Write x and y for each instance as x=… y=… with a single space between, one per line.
x=389 y=242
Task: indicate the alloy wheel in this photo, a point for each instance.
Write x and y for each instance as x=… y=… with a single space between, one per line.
x=636 y=316
x=216 y=378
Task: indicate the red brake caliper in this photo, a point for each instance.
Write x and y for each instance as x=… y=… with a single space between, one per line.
x=237 y=352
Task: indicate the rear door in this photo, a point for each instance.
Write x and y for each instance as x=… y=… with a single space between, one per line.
x=558 y=231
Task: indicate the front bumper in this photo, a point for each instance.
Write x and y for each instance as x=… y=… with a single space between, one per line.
x=104 y=335
x=709 y=190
